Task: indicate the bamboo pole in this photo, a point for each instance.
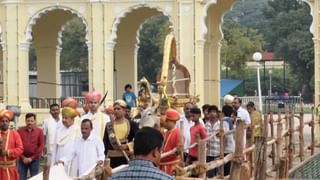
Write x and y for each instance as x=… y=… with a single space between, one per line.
x=202 y=157
x=301 y=138
x=221 y=137
x=261 y=153
x=214 y=164
x=106 y=165
x=182 y=163
x=272 y=154
x=287 y=132
x=278 y=148
x=312 y=132
x=283 y=170
x=250 y=142
x=238 y=154
x=291 y=136
x=46 y=168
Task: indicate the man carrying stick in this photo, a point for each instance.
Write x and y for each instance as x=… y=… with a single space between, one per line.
x=171 y=141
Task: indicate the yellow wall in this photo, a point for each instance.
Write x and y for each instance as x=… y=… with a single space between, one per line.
x=111 y=35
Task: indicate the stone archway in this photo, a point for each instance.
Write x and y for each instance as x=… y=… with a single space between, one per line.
x=125 y=35
x=47 y=40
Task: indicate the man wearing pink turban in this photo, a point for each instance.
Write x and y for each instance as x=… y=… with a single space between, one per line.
x=99 y=119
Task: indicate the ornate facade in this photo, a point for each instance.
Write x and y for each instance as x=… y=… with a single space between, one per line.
x=112 y=34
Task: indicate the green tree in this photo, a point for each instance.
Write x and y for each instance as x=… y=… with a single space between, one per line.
x=238 y=45
x=287 y=34
x=152 y=36
x=74 y=54
x=248 y=13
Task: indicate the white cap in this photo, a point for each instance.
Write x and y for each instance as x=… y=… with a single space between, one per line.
x=228 y=99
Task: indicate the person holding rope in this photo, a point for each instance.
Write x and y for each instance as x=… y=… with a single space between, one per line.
x=196 y=130
x=118 y=136
x=171 y=141
x=212 y=126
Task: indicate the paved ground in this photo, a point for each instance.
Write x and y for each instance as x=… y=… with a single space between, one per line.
x=307 y=142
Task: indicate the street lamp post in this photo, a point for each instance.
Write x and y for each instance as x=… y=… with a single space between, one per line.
x=270 y=82
x=257 y=56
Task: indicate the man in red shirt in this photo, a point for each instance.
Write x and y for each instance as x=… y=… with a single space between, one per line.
x=195 y=130
x=33 y=142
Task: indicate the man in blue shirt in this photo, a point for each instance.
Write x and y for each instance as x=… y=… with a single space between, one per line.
x=147 y=151
x=128 y=96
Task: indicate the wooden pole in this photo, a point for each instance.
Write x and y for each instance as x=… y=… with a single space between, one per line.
x=182 y=163
x=261 y=153
x=202 y=157
x=272 y=154
x=312 y=123
x=221 y=137
x=106 y=165
x=287 y=129
x=238 y=154
x=291 y=136
x=301 y=138
x=283 y=170
x=279 y=146
x=46 y=168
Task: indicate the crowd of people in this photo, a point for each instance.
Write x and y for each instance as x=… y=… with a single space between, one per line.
x=81 y=141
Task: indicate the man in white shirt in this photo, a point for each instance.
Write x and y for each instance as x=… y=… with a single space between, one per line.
x=87 y=152
x=65 y=138
x=187 y=124
x=99 y=119
x=242 y=114
x=49 y=127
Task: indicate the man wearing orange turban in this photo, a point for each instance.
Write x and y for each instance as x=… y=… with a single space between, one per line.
x=73 y=103
x=99 y=119
x=66 y=136
x=11 y=147
x=70 y=102
x=171 y=141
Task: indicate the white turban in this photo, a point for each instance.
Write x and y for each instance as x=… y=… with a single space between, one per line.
x=228 y=99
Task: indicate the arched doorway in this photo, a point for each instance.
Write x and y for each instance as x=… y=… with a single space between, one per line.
x=47 y=42
x=126 y=47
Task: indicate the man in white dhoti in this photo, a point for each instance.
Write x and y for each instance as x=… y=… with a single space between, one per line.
x=49 y=127
x=66 y=136
x=87 y=152
x=99 y=119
